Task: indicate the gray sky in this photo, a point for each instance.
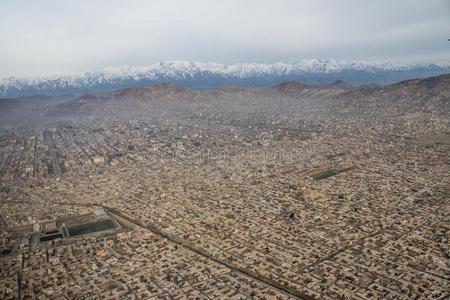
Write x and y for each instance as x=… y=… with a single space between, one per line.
x=40 y=38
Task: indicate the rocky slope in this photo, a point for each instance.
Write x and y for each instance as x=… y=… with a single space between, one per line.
x=213 y=75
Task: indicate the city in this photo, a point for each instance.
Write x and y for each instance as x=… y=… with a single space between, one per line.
x=227 y=203
x=206 y=149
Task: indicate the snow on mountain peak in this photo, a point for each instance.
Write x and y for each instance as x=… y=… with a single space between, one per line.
x=196 y=74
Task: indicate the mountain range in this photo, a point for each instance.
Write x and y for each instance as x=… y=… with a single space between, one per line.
x=196 y=75
x=427 y=98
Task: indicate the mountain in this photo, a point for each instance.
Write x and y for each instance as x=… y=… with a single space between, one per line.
x=419 y=97
x=212 y=75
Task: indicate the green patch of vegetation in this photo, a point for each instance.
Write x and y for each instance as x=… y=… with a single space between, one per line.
x=91 y=227
x=325 y=174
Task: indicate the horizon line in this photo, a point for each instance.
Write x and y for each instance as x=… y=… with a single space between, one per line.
x=440 y=63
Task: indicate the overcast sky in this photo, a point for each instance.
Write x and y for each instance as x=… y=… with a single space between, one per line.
x=40 y=38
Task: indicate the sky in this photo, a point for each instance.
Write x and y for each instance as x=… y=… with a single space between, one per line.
x=54 y=37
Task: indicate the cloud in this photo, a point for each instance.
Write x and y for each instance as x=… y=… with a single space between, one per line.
x=55 y=37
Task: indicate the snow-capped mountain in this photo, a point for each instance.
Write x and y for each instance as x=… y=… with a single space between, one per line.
x=210 y=75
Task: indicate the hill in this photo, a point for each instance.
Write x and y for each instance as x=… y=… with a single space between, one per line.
x=212 y=75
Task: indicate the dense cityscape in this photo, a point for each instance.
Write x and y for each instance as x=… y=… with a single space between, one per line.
x=293 y=192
